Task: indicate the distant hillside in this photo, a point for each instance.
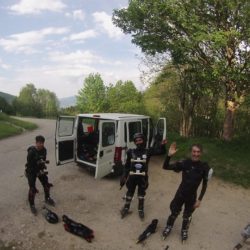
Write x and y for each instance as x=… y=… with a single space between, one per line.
x=9 y=98
x=67 y=101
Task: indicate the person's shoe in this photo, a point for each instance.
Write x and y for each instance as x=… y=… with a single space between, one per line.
x=166 y=231
x=50 y=201
x=141 y=214
x=184 y=235
x=124 y=212
x=33 y=209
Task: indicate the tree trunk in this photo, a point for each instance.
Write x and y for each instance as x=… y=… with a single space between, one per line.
x=228 y=126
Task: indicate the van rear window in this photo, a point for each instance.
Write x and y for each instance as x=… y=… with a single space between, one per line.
x=108 y=134
x=134 y=127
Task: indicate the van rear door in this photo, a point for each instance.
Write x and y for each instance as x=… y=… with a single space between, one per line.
x=106 y=149
x=160 y=136
x=65 y=139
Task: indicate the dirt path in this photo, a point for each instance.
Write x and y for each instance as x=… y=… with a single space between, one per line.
x=216 y=224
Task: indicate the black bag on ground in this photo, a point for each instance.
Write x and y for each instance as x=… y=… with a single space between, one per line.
x=77 y=228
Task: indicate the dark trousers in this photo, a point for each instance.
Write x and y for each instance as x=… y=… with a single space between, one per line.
x=176 y=205
x=141 y=182
x=32 y=186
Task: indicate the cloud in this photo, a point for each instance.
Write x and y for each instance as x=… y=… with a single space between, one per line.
x=76 y=15
x=83 y=35
x=36 y=7
x=77 y=57
x=24 y=42
x=4 y=65
x=104 y=21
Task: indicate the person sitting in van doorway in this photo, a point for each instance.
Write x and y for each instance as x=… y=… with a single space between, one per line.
x=135 y=174
x=194 y=172
x=35 y=166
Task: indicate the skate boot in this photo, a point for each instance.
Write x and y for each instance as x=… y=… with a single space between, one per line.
x=33 y=209
x=141 y=214
x=124 y=212
x=166 y=231
x=50 y=201
x=184 y=235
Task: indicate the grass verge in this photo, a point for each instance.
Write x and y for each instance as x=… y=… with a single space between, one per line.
x=10 y=126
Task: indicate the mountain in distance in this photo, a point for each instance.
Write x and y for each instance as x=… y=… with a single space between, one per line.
x=66 y=102
x=8 y=97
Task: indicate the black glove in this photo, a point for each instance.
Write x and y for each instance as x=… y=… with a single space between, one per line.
x=123 y=180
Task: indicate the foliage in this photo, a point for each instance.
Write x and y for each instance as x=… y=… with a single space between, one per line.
x=36 y=102
x=210 y=37
x=92 y=97
x=123 y=97
x=48 y=103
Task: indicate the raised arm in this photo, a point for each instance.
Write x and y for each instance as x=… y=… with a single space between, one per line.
x=176 y=166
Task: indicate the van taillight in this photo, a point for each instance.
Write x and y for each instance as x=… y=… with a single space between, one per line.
x=118 y=154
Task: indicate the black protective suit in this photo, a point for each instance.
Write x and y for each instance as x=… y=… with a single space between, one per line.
x=136 y=175
x=193 y=173
x=34 y=166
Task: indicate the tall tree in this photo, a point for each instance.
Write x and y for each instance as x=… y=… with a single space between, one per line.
x=211 y=35
x=48 y=102
x=124 y=97
x=92 y=97
x=26 y=103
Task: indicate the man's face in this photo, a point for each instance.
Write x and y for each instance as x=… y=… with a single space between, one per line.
x=138 y=141
x=39 y=145
x=195 y=153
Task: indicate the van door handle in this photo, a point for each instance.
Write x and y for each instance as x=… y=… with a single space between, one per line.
x=101 y=153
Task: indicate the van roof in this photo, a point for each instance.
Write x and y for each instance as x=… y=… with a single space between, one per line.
x=113 y=116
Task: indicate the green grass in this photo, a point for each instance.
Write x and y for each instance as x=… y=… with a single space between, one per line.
x=230 y=160
x=10 y=126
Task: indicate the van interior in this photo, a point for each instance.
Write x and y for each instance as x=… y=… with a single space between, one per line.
x=87 y=139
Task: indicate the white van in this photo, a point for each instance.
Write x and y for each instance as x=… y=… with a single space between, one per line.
x=100 y=141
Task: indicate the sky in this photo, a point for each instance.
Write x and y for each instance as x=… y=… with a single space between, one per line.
x=55 y=44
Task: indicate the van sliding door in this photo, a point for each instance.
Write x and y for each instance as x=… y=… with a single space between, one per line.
x=106 y=149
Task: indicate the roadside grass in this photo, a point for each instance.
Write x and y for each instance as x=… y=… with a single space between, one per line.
x=10 y=126
x=229 y=160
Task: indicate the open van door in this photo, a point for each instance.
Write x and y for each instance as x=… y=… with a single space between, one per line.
x=160 y=137
x=133 y=127
x=106 y=149
x=65 y=139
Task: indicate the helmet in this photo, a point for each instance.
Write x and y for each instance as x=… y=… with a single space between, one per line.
x=51 y=217
x=139 y=135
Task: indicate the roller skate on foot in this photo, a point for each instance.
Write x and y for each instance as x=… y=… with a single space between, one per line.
x=50 y=201
x=166 y=231
x=184 y=235
x=124 y=212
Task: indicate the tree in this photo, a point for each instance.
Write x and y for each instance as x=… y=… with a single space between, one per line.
x=48 y=102
x=211 y=35
x=92 y=97
x=125 y=98
x=26 y=103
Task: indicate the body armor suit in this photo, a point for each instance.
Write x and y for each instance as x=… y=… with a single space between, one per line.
x=136 y=175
